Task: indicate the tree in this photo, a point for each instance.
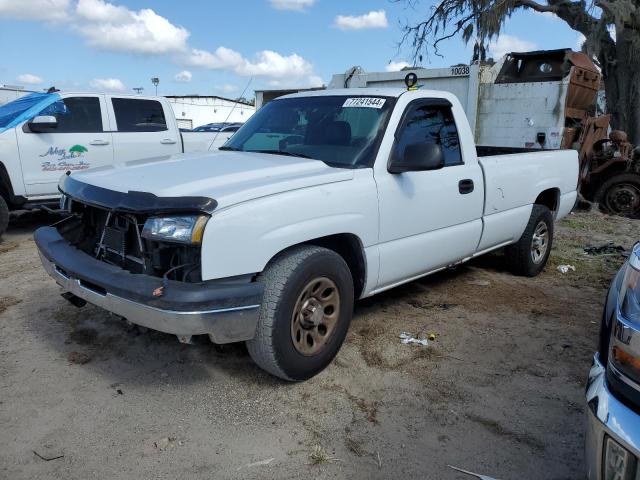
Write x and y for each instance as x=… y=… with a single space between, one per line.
x=611 y=29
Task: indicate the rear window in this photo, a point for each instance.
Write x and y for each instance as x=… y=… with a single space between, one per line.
x=133 y=115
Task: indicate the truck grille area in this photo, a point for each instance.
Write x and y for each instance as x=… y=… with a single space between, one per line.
x=115 y=238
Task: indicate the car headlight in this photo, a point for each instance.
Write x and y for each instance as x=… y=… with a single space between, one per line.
x=625 y=335
x=182 y=228
x=630 y=290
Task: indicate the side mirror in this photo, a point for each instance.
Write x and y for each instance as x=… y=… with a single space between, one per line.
x=417 y=158
x=43 y=124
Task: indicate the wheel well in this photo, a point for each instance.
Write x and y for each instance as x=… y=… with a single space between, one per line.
x=349 y=247
x=549 y=198
x=6 y=190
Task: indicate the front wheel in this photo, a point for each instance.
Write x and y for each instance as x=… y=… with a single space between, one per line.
x=305 y=314
x=529 y=255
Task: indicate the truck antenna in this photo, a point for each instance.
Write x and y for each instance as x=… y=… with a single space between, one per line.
x=231 y=111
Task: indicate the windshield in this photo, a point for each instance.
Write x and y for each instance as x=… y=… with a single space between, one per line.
x=342 y=131
x=27 y=107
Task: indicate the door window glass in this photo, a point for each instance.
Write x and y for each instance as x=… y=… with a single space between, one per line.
x=133 y=115
x=78 y=115
x=431 y=124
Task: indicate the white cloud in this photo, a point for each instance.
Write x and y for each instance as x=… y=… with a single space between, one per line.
x=116 y=28
x=222 y=58
x=45 y=10
x=580 y=41
x=107 y=84
x=272 y=64
x=226 y=88
x=184 y=76
x=297 y=5
x=266 y=63
x=396 y=66
x=29 y=79
x=507 y=43
x=373 y=19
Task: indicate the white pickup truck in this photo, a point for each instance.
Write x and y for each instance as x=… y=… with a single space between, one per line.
x=44 y=135
x=321 y=198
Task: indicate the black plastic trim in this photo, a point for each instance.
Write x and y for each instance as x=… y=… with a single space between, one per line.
x=132 y=201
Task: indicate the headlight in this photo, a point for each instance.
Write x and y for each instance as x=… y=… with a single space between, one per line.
x=182 y=229
x=624 y=355
x=630 y=290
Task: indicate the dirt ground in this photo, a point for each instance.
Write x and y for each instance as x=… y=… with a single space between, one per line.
x=499 y=392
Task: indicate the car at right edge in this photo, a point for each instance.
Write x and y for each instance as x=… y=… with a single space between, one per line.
x=612 y=447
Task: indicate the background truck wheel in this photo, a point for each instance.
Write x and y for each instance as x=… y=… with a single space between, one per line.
x=305 y=313
x=4 y=216
x=620 y=195
x=529 y=255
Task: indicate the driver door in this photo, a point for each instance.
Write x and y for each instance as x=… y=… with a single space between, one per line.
x=78 y=142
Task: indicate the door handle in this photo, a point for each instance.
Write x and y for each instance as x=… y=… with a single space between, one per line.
x=168 y=141
x=98 y=142
x=465 y=186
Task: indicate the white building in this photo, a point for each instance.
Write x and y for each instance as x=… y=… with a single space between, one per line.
x=9 y=93
x=195 y=110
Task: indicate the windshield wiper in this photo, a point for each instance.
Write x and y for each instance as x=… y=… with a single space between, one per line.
x=231 y=149
x=281 y=152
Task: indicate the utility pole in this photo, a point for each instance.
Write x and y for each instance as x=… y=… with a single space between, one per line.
x=155 y=81
x=138 y=90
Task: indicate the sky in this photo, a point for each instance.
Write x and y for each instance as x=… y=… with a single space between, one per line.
x=226 y=48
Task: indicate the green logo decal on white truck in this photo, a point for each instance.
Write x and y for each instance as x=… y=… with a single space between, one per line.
x=63 y=155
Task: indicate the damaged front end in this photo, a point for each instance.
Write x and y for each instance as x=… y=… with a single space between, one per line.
x=139 y=256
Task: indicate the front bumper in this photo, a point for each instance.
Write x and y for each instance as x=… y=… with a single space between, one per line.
x=227 y=311
x=607 y=416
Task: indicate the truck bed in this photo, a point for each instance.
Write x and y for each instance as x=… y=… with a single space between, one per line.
x=513 y=180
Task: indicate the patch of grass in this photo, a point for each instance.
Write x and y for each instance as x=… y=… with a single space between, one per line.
x=319 y=455
x=7 y=302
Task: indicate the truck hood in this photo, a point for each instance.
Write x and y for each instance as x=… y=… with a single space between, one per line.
x=227 y=177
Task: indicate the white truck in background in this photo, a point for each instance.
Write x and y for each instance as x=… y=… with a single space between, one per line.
x=44 y=135
x=320 y=199
x=534 y=100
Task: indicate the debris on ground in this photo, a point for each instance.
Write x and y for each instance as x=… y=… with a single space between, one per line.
x=479 y=283
x=79 y=357
x=566 y=268
x=606 y=249
x=467 y=472
x=257 y=464
x=164 y=443
x=407 y=338
x=46 y=459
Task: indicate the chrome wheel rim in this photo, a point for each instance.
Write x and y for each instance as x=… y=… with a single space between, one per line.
x=315 y=316
x=539 y=242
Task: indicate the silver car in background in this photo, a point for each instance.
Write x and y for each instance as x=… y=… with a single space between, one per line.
x=613 y=388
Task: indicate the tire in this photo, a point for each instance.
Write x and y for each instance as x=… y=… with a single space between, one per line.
x=4 y=216
x=522 y=258
x=281 y=345
x=620 y=194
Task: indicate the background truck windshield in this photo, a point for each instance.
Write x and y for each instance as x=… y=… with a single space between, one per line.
x=25 y=108
x=342 y=131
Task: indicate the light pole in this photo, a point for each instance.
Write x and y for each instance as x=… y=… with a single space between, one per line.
x=155 y=81
x=138 y=90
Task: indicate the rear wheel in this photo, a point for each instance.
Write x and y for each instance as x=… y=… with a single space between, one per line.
x=529 y=255
x=620 y=195
x=305 y=313
x=4 y=216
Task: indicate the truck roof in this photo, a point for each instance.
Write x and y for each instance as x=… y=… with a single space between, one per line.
x=367 y=92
